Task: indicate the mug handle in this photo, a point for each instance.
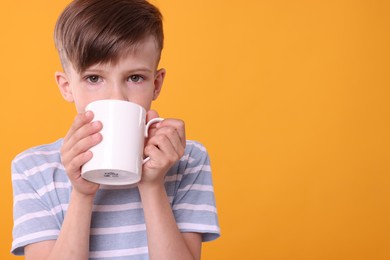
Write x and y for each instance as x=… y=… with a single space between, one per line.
x=151 y=122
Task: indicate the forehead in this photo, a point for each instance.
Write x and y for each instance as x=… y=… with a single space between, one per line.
x=144 y=53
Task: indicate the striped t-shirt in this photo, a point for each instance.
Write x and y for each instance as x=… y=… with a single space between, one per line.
x=42 y=193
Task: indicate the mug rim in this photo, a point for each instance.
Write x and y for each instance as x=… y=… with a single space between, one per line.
x=115 y=101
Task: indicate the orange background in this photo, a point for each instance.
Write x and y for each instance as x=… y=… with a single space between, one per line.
x=291 y=98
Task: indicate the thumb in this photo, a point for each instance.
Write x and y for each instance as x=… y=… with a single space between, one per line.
x=151 y=114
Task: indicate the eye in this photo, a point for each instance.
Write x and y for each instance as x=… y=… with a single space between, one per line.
x=135 y=78
x=93 y=79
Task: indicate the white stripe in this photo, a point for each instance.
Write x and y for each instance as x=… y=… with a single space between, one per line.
x=42 y=168
x=42 y=191
x=26 y=217
x=173 y=178
x=118 y=230
x=40 y=214
x=185 y=157
x=119 y=253
x=121 y=207
x=198 y=227
x=197 y=187
x=201 y=207
x=18 y=176
x=25 y=196
x=31 y=236
x=62 y=207
x=35 y=153
x=62 y=185
x=52 y=186
x=197 y=169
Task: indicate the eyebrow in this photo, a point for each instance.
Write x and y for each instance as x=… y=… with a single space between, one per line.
x=130 y=71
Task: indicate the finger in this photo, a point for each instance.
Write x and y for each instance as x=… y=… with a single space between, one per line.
x=162 y=155
x=74 y=165
x=177 y=124
x=85 y=143
x=80 y=120
x=151 y=114
x=81 y=131
x=163 y=143
x=69 y=155
x=156 y=156
x=173 y=136
x=81 y=137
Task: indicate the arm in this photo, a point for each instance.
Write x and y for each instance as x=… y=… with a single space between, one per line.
x=73 y=240
x=165 y=241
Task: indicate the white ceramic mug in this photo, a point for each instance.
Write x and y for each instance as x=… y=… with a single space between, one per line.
x=118 y=158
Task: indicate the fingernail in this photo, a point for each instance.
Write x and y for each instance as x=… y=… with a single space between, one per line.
x=95 y=124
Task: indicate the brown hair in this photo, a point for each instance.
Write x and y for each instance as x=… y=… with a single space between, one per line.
x=99 y=31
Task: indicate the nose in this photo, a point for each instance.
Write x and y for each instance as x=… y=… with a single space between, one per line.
x=117 y=92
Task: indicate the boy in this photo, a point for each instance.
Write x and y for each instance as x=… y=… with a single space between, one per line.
x=110 y=49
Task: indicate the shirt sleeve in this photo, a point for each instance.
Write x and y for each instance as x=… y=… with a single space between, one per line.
x=35 y=219
x=194 y=204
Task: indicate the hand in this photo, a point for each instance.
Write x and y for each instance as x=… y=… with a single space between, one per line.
x=165 y=146
x=82 y=135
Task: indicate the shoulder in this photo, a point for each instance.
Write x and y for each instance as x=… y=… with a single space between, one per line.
x=195 y=158
x=195 y=152
x=193 y=163
x=38 y=169
x=39 y=153
x=195 y=147
x=38 y=158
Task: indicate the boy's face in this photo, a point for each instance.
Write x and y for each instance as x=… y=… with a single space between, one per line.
x=133 y=78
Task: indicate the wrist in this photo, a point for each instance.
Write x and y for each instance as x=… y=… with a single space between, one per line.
x=86 y=199
x=151 y=189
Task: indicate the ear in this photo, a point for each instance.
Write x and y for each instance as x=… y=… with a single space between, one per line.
x=64 y=86
x=158 y=82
